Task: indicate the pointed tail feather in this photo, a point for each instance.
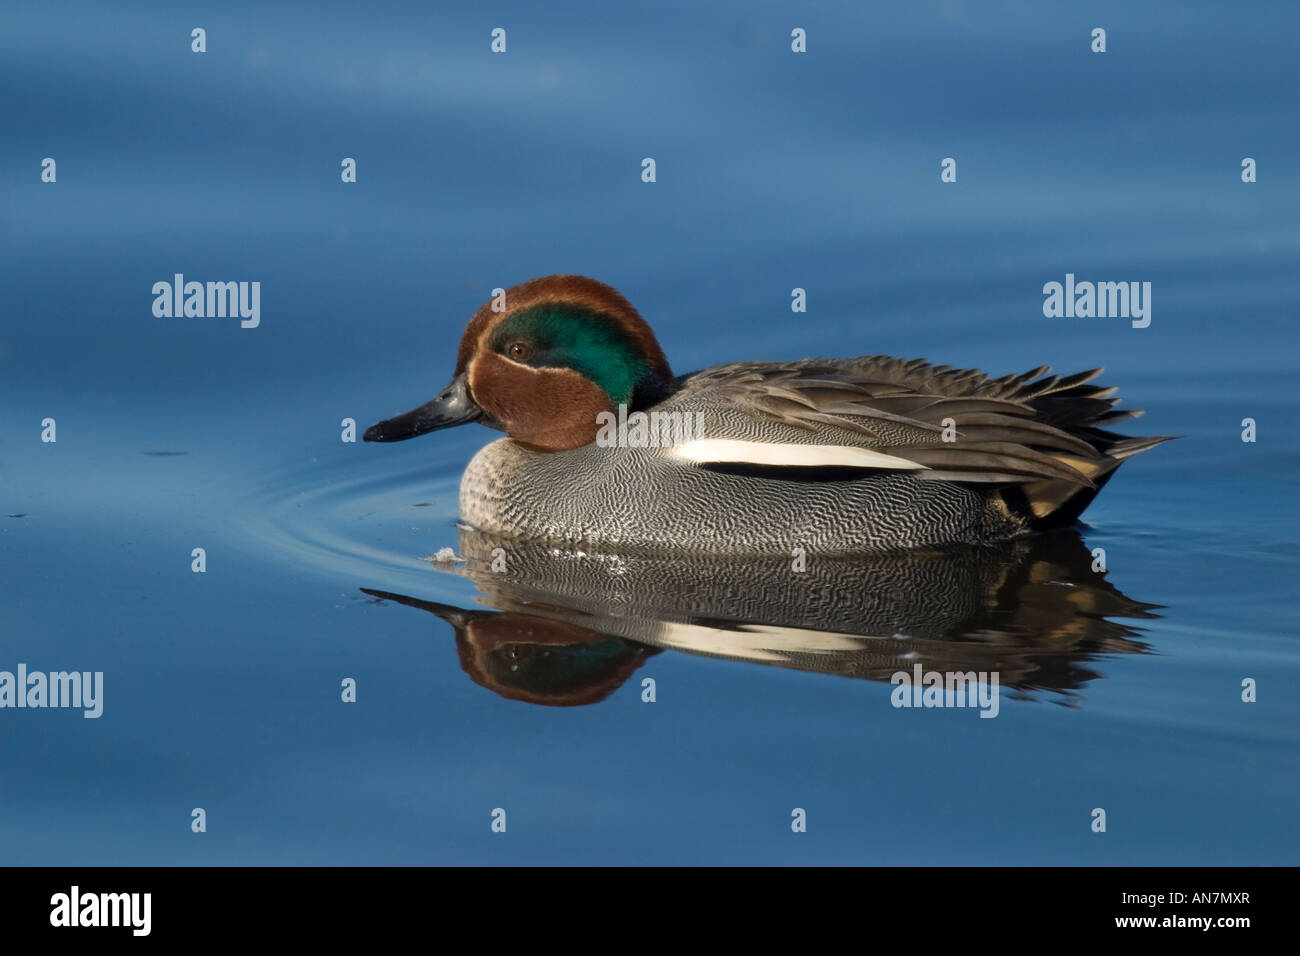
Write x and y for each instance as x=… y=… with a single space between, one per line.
x=1057 y=502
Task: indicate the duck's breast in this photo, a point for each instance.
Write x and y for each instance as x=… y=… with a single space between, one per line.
x=641 y=497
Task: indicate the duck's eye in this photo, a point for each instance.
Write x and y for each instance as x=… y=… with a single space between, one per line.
x=517 y=351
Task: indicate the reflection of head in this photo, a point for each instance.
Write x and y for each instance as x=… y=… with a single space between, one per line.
x=541 y=661
x=535 y=659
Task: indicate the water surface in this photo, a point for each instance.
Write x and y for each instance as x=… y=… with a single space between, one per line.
x=775 y=171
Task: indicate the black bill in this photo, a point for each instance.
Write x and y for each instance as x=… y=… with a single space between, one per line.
x=453 y=406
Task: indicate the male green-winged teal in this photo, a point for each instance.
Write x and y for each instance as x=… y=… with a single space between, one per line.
x=607 y=447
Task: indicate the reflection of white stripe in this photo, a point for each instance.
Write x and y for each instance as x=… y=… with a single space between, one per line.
x=757 y=642
x=775 y=453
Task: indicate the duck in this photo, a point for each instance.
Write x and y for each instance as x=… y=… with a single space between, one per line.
x=605 y=447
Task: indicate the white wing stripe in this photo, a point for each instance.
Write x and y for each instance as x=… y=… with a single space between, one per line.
x=719 y=450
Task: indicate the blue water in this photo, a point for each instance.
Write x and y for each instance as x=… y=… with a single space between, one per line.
x=774 y=171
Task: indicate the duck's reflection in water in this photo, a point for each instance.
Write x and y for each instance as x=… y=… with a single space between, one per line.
x=568 y=627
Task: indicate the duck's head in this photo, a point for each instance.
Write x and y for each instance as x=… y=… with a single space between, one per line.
x=564 y=349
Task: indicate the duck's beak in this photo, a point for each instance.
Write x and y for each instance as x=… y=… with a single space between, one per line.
x=453 y=406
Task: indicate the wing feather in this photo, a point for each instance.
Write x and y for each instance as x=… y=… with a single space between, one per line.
x=935 y=421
